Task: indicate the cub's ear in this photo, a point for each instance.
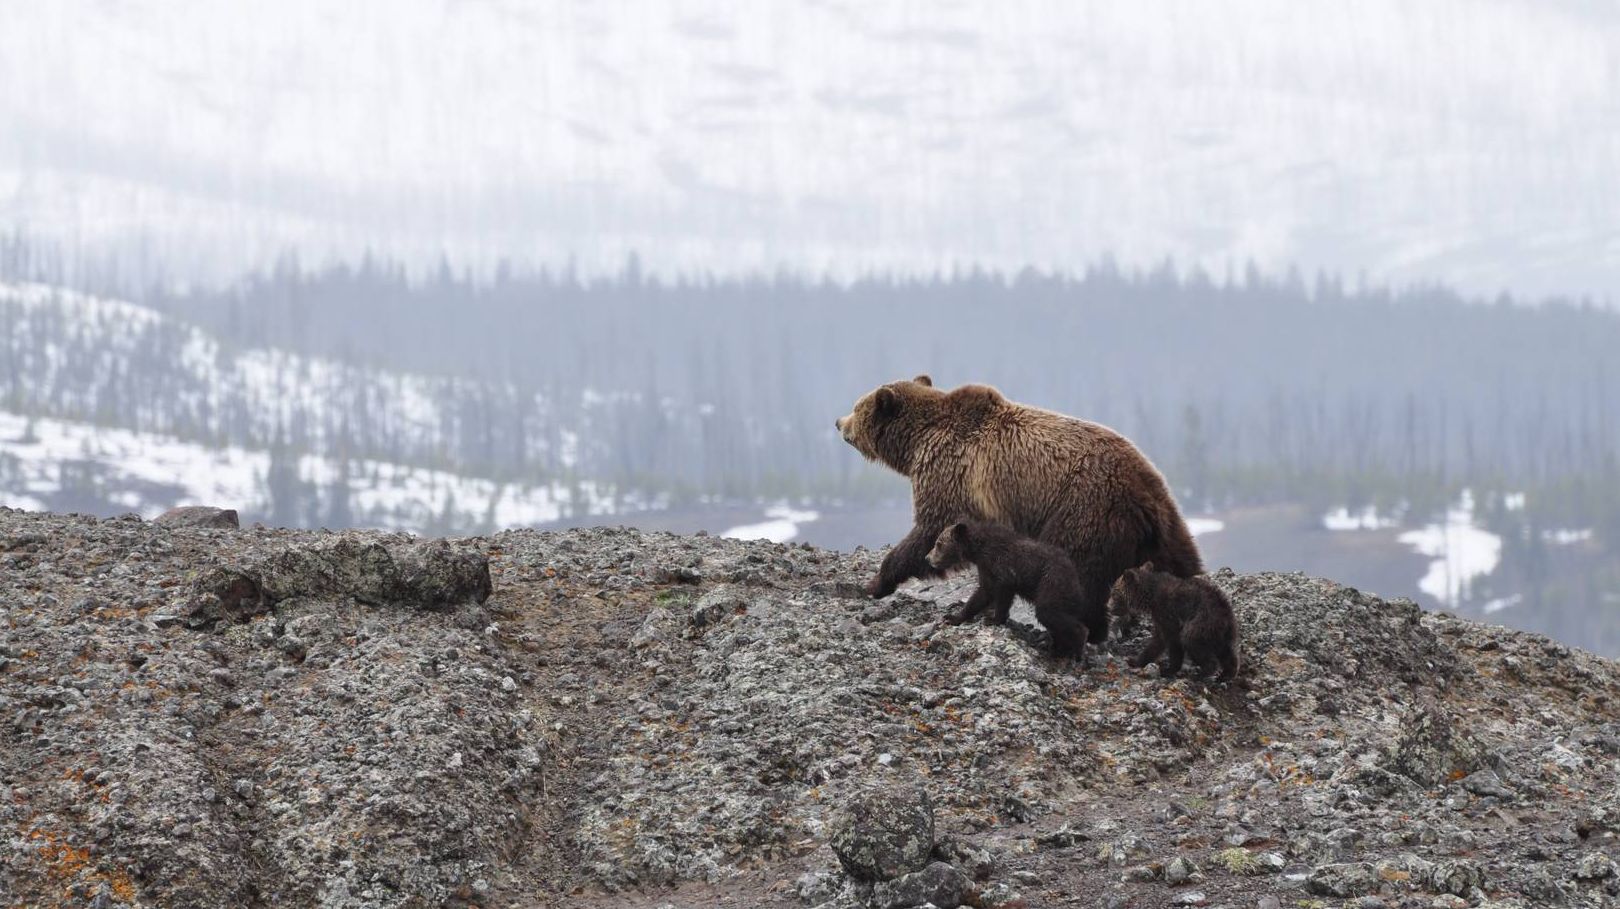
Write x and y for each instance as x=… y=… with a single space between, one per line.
x=886 y=403
x=924 y=380
x=959 y=531
x=1147 y=568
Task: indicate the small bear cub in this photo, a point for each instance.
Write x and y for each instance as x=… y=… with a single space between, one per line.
x=1012 y=565
x=1191 y=617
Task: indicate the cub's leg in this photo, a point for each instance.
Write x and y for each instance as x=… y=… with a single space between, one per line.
x=1003 y=601
x=1176 y=654
x=975 y=604
x=1155 y=646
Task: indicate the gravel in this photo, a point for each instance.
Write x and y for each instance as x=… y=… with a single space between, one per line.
x=203 y=716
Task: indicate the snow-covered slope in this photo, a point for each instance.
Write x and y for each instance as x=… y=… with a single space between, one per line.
x=80 y=356
x=62 y=465
x=1468 y=141
x=106 y=404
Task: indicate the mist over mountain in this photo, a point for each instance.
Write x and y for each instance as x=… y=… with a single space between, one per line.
x=1462 y=142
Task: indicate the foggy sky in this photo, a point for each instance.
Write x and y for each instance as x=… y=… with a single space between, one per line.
x=1463 y=141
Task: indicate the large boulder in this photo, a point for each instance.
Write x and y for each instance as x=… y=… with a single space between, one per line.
x=1433 y=751
x=884 y=834
x=428 y=574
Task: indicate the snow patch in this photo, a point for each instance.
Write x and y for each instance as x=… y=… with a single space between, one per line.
x=64 y=464
x=783 y=525
x=1368 y=518
x=1200 y=526
x=1460 y=551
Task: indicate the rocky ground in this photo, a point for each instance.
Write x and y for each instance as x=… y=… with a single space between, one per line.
x=209 y=716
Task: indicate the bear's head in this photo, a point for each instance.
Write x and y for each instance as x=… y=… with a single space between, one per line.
x=1131 y=592
x=951 y=548
x=886 y=423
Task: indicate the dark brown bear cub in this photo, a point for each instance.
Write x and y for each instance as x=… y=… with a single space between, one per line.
x=1011 y=565
x=1191 y=617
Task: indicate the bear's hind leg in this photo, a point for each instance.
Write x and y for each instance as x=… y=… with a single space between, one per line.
x=1093 y=606
x=1067 y=631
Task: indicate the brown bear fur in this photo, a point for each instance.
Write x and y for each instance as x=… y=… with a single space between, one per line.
x=1077 y=485
x=1012 y=565
x=1191 y=618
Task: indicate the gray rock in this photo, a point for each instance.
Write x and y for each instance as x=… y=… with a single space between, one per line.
x=817 y=887
x=999 y=893
x=976 y=863
x=1432 y=750
x=938 y=884
x=715 y=607
x=1179 y=871
x=1594 y=866
x=1486 y=783
x=1456 y=876
x=198 y=516
x=884 y=834
x=1343 y=879
x=428 y=574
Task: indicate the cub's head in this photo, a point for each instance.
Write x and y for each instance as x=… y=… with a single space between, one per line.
x=1131 y=592
x=951 y=548
x=886 y=422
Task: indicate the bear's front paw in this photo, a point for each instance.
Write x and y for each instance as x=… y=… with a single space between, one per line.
x=957 y=616
x=1138 y=661
x=877 y=588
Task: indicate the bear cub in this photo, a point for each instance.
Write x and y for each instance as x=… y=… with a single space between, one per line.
x=1191 y=617
x=1012 y=565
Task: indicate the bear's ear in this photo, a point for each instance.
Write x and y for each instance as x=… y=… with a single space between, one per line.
x=886 y=403
x=1147 y=568
x=959 y=531
x=924 y=380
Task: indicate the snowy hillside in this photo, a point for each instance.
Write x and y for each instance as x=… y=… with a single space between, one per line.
x=82 y=357
x=105 y=405
x=60 y=465
x=1461 y=141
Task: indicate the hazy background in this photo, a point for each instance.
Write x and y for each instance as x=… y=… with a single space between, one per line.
x=1347 y=275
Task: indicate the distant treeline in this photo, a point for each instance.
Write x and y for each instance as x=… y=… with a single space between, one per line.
x=1244 y=390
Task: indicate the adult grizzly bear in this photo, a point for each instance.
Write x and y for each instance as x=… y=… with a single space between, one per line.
x=1077 y=485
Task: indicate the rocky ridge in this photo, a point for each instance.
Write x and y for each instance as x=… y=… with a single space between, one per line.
x=198 y=715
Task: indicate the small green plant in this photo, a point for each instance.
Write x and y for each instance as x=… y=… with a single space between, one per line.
x=1238 y=861
x=672 y=598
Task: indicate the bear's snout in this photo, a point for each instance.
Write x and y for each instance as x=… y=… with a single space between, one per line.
x=842 y=424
